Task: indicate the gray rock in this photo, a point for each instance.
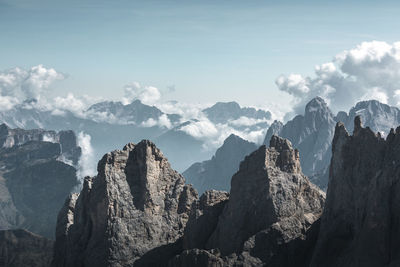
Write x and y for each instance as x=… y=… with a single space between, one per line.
x=312 y=135
x=33 y=186
x=274 y=129
x=66 y=139
x=269 y=194
x=204 y=218
x=133 y=212
x=20 y=248
x=217 y=172
x=270 y=218
x=360 y=225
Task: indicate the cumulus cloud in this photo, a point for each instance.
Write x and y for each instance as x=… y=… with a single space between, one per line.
x=147 y=94
x=163 y=121
x=26 y=84
x=369 y=71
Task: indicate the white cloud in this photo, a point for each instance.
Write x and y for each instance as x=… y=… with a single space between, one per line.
x=162 y=121
x=87 y=162
x=369 y=71
x=70 y=102
x=246 y=121
x=26 y=84
x=147 y=94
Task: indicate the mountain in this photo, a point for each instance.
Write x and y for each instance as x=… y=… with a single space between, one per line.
x=67 y=140
x=20 y=248
x=378 y=116
x=105 y=134
x=312 y=135
x=181 y=147
x=136 y=206
x=216 y=173
x=222 y=112
x=35 y=177
x=134 y=213
x=360 y=224
x=133 y=113
x=274 y=129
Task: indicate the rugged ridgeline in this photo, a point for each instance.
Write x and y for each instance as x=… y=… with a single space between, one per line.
x=134 y=212
x=267 y=219
x=216 y=173
x=34 y=178
x=69 y=150
x=360 y=225
x=312 y=133
x=20 y=248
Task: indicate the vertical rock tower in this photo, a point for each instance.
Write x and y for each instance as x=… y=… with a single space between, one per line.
x=133 y=212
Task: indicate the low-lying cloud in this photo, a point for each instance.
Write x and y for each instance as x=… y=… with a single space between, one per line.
x=369 y=71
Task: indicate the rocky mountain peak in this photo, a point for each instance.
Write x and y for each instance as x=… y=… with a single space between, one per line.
x=136 y=197
x=285 y=157
x=317 y=111
x=360 y=222
x=259 y=198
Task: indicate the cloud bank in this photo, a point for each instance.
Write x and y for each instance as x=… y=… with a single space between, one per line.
x=369 y=71
x=27 y=84
x=147 y=94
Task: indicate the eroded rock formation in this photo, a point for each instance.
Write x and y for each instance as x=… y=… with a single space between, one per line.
x=33 y=180
x=360 y=225
x=267 y=219
x=133 y=212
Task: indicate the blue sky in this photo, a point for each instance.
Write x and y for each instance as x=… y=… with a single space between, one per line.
x=207 y=50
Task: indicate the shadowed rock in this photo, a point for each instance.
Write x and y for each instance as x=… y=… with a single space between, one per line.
x=360 y=225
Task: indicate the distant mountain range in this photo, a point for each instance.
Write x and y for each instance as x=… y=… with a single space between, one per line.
x=111 y=124
x=311 y=133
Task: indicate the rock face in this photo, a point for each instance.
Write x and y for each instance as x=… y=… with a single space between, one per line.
x=133 y=212
x=70 y=151
x=217 y=172
x=274 y=129
x=360 y=225
x=378 y=116
x=312 y=134
x=267 y=219
x=33 y=180
x=20 y=248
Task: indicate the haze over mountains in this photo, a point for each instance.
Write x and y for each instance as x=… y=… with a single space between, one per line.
x=110 y=124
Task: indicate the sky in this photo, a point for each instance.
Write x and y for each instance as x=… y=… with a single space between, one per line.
x=192 y=51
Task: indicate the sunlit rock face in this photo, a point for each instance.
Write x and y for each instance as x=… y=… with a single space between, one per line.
x=135 y=206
